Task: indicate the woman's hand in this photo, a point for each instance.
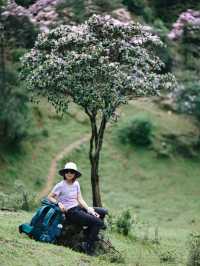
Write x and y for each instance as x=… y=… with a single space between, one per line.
x=91 y=210
x=61 y=206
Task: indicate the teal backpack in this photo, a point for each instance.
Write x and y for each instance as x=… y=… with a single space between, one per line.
x=46 y=224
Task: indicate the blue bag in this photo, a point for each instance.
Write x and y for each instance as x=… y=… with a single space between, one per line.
x=46 y=224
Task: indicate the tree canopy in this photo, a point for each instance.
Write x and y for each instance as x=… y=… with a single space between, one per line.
x=97 y=64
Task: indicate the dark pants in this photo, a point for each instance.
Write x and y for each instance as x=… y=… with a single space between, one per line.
x=79 y=215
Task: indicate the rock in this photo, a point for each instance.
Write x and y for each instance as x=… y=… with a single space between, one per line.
x=73 y=235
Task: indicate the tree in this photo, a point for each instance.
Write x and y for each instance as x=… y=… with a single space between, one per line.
x=99 y=65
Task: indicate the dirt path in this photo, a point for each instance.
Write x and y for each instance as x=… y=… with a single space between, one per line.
x=59 y=156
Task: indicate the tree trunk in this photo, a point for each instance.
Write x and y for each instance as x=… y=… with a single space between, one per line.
x=96 y=196
x=96 y=141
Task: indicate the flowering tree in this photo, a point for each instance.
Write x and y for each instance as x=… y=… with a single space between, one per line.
x=99 y=65
x=186 y=30
x=187 y=21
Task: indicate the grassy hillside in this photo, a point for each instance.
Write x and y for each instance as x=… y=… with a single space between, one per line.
x=161 y=194
x=19 y=250
x=144 y=182
x=49 y=135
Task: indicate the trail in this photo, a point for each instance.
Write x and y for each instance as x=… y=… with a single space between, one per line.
x=59 y=156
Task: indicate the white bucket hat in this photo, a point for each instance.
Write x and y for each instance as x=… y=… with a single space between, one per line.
x=70 y=166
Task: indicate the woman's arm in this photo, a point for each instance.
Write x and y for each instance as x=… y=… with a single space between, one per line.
x=82 y=202
x=84 y=205
x=53 y=198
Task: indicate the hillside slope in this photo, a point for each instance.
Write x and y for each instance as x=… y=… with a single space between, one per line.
x=162 y=194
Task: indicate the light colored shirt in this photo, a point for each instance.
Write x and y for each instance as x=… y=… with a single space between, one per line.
x=67 y=193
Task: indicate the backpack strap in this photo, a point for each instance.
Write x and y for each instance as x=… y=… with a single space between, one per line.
x=49 y=216
x=46 y=201
x=40 y=213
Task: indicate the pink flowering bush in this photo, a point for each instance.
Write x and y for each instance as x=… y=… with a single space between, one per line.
x=42 y=13
x=189 y=20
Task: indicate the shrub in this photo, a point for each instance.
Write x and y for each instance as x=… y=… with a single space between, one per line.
x=124 y=223
x=167 y=256
x=113 y=257
x=137 y=132
x=188 y=99
x=194 y=251
x=18 y=199
x=111 y=222
x=16 y=54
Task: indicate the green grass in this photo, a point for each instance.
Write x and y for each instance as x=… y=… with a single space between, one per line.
x=161 y=194
x=19 y=250
x=30 y=163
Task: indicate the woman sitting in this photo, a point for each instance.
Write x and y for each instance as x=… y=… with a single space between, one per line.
x=67 y=195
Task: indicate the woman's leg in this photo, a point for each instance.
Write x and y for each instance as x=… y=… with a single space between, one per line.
x=79 y=216
x=102 y=212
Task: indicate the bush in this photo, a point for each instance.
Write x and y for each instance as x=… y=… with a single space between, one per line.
x=18 y=199
x=16 y=54
x=194 y=251
x=124 y=223
x=112 y=257
x=188 y=99
x=168 y=256
x=137 y=132
x=111 y=222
